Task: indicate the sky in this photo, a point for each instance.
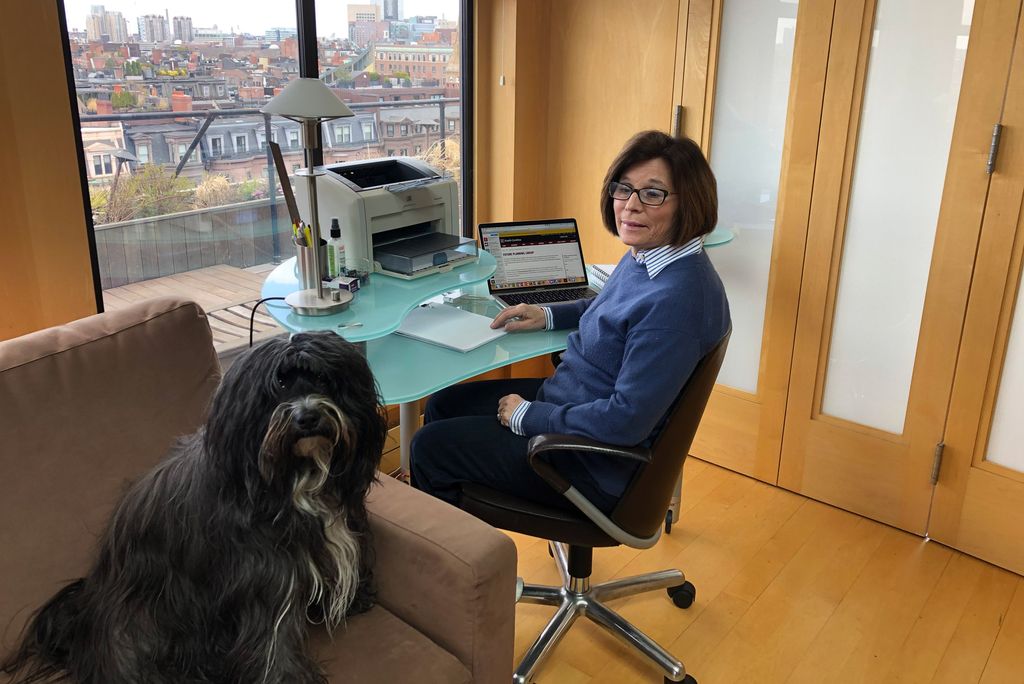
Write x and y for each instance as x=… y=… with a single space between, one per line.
x=245 y=15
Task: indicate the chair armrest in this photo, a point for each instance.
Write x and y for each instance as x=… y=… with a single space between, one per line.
x=446 y=573
x=553 y=442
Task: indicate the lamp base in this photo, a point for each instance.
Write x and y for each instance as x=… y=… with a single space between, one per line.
x=306 y=303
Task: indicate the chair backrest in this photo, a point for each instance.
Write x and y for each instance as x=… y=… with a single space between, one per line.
x=641 y=509
x=87 y=407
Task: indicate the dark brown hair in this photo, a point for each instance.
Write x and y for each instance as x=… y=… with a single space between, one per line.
x=692 y=178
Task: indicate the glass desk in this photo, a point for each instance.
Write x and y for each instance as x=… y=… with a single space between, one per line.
x=408 y=370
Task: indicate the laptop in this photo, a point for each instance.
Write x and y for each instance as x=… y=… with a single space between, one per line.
x=538 y=262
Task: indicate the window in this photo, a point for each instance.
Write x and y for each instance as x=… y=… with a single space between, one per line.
x=451 y=124
x=160 y=140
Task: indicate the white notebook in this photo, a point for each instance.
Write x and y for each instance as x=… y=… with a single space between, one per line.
x=448 y=326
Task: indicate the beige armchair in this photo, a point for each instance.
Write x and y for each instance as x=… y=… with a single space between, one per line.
x=87 y=407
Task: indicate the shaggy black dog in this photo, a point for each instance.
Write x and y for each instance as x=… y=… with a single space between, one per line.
x=214 y=563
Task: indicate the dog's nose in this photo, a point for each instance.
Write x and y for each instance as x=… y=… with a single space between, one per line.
x=305 y=420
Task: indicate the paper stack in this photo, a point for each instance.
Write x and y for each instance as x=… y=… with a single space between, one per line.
x=599 y=273
x=449 y=327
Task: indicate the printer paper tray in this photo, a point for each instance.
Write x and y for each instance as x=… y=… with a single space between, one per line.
x=430 y=270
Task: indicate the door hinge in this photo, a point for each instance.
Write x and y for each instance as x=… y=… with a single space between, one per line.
x=993 y=150
x=677 y=121
x=937 y=461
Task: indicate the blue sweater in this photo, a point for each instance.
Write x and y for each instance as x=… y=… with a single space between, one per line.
x=637 y=343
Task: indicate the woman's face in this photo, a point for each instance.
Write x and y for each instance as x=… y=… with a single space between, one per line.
x=642 y=226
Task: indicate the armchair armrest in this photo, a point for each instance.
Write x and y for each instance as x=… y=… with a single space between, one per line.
x=446 y=573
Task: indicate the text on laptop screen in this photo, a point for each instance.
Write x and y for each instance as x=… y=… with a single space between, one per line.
x=533 y=255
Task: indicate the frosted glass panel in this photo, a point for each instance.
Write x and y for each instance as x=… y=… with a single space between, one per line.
x=1006 y=441
x=910 y=98
x=754 y=63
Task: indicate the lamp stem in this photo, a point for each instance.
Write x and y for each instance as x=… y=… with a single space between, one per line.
x=308 y=133
x=315 y=234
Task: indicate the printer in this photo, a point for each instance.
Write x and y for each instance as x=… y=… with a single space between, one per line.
x=397 y=215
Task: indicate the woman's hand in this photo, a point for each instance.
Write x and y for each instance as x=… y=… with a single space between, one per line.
x=520 y=318
x=507 y=406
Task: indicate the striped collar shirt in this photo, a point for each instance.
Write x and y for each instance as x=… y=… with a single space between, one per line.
x=655 y=260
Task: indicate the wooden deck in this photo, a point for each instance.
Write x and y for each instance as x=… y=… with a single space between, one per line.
x=226 y=293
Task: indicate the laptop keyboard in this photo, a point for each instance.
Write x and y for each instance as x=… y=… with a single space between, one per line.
x=549 y=296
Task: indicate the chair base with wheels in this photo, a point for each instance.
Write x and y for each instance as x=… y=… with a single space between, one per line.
x=577 y=597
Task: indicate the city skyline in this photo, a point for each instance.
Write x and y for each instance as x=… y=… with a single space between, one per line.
x=331 y=17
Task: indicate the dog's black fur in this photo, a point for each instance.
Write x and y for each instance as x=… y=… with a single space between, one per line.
x=214 y=563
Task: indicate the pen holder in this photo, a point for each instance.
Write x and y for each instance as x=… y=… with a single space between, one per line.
x=305 y=264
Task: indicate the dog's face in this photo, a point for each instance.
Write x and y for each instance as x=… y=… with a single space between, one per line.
x=300 y=414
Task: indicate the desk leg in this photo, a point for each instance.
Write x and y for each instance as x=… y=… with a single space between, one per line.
x=408 y=423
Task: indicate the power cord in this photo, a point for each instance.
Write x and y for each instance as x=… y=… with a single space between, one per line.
x=252 y=314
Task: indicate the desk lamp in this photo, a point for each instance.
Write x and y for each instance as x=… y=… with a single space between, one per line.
x=309 y=102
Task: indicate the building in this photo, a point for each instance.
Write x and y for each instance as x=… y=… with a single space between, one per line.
x=104 y=147
x=366 y=25
x=410 y=131
x=102 y=25
x=420 y=62
x=183 y=29
x=153 y=29
x=212 y=35
x=393 y=9
x=279 y=33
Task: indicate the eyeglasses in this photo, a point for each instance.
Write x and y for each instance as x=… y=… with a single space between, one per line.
x=652 y=197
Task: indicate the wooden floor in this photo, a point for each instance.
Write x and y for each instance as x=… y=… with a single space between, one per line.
x=226 y=294
x=791 y=590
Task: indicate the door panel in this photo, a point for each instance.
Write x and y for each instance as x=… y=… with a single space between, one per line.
x=769 y=60
x=979 y=499
x=880 y=467
x=752 y=91
x=895 y=190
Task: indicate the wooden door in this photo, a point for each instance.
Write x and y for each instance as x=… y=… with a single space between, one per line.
x=979 y=499
x=609 y=69
x=886 y=277
x=752 y=87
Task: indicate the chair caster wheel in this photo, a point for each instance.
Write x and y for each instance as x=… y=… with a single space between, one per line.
x=688 y=679
x=668 y=522
x=682 y=595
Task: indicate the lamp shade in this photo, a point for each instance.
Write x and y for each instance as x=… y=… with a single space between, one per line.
x=305 y=99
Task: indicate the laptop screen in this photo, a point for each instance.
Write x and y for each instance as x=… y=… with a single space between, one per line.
x=534 y=254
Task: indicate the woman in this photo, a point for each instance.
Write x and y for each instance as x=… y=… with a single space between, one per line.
x=662 y=309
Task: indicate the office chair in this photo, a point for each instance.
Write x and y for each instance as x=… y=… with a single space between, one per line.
x=636 y=521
